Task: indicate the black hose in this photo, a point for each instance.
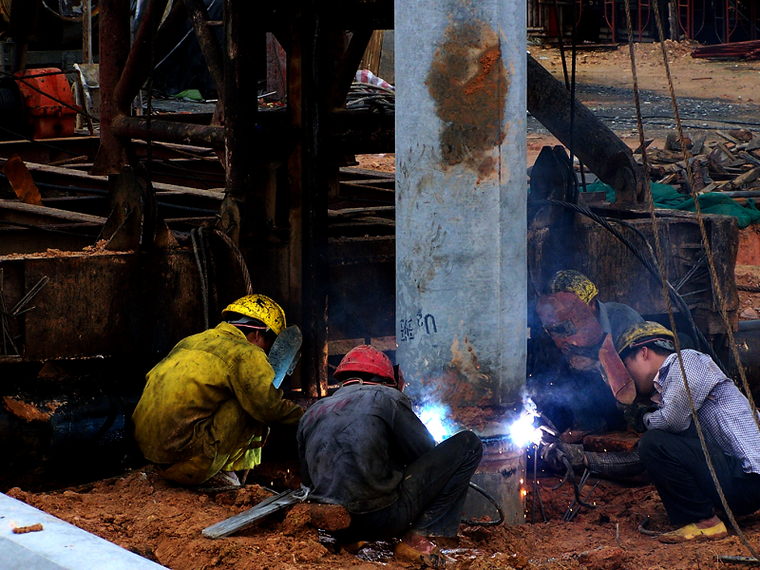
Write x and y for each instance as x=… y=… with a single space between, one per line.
x=491 y=500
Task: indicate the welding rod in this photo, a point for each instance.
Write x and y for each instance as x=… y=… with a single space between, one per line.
x=535 y=482
x=541 y=504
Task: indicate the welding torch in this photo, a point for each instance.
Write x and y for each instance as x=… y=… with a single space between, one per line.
x=550 y=438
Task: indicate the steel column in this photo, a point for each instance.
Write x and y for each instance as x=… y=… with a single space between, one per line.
x=114 y=49
x=461 y=200
x=308 y=199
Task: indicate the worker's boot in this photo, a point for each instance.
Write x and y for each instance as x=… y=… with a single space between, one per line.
x=418 y=549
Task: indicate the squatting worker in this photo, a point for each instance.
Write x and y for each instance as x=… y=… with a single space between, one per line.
x=670 y=448
x=205 y=408
x=586 y=390
x=364 y=448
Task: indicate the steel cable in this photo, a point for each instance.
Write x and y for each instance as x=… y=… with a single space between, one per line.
x=705 y=245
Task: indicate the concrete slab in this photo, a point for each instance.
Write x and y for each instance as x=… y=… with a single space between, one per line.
x=59 y=545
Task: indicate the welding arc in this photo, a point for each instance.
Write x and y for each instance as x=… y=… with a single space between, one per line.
x=491 y=500
x=651 y=265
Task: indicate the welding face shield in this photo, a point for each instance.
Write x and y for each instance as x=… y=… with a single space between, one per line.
x=573 y=327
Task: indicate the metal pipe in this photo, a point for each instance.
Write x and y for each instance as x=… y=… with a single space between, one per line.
x=461 y=247
x=461 y=201
x=169 y=131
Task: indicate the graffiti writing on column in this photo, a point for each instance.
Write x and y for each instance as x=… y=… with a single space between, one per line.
x=422 y=324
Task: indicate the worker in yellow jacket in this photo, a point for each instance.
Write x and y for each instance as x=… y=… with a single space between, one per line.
x=205 y=408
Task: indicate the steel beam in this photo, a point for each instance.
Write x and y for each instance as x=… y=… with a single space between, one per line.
x=594 y=143
x=114 y=49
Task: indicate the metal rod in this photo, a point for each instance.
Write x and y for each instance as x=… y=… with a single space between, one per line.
x=535 y=482
x=585 y=499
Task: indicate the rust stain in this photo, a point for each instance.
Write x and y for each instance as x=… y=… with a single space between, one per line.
x=491 y=57
x=27 y=411
x=468 y=82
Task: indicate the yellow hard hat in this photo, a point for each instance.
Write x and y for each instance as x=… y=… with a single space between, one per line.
x=573 y=282
x=646 y=332
x=259 y=307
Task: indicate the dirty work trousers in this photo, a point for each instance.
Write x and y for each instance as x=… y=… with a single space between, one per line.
x=431 y=494
x=227 y=441
x=677 y=465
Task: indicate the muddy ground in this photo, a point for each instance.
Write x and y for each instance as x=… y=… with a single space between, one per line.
x=162 y=522
x=155 y=519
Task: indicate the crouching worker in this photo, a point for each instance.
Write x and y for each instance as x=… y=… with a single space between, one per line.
x=670 y=449
x=204 y=412
x=364 y=448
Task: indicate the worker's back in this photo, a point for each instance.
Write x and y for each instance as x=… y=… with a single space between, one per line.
x=355 y=444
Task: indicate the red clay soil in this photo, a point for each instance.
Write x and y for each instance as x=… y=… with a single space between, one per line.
x=160 y=521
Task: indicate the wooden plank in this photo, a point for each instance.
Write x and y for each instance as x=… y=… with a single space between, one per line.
x=75 y=175
x=50 y=212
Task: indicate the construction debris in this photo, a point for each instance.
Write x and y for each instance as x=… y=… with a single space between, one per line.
x=730 y=165
x=733 y=50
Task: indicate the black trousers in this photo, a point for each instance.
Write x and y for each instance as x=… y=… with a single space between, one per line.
x=678 y=468
x=431 y=494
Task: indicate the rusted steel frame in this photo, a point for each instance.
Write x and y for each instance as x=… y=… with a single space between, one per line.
x=308 y=199
x=169 y=131
x=240 y=33
x=114 y=49
x=151 y=40
x=212 y=51
x=346 y=71
x=594 y=143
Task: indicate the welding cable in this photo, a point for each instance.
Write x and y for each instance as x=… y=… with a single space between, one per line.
x=720 y=302
x=491 y=500
x=187 y=35
x=585 y=499
x=644 y=530
x=576 y=486
x=239 y=258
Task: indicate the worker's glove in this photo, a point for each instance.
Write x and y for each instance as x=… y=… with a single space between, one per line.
x=554 y=455
x=634 y=414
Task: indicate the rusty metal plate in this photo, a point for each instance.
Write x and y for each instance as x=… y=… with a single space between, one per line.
x=115 y=304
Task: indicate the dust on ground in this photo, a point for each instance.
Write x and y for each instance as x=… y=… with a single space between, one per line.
x=163 y=522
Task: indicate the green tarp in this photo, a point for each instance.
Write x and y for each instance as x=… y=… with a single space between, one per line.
x=666 y=196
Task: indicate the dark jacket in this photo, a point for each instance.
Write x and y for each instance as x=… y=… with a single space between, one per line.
x=355 y=445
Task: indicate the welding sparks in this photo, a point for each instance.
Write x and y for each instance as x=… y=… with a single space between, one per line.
x=434 y=418
x=522 y=432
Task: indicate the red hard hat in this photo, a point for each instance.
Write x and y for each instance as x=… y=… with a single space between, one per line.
x=365 y=358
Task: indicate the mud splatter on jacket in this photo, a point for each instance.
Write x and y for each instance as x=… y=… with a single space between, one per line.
x=355 y=444
x=177 y=416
